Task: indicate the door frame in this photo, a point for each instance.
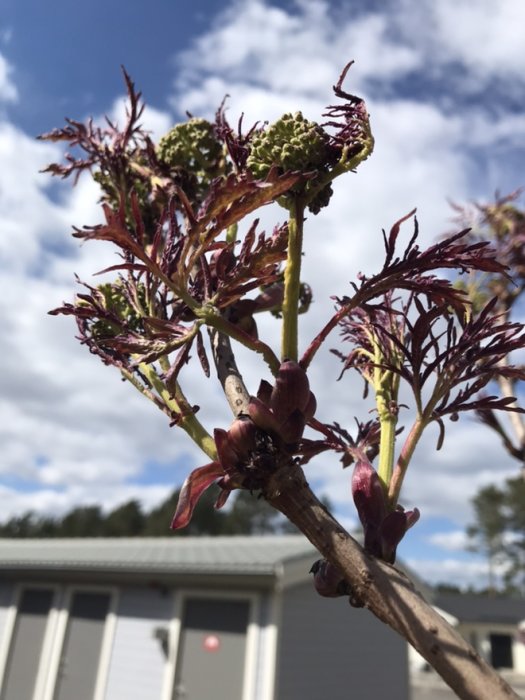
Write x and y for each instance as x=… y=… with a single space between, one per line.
x=63 y=617
x=252 y=635
x=49 y=632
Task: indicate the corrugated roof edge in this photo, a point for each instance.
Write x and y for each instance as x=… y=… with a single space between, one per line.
x=199 y=555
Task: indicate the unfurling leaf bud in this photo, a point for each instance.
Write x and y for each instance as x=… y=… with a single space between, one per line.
x=241 y=436
x=293 y=427
x=328 y=580
x=383 y=530
x=291 y=390
x=284 y=409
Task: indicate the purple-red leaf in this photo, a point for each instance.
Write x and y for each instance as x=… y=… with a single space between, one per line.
x=197 y=482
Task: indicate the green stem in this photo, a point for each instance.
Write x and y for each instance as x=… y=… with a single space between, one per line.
x=425 y=416
x=193 y=427
x=178 y=404
x=231 y=233
x=386 y=397
x=292 y=283
x=212 y=318
x=386 y=450
x=396 y=482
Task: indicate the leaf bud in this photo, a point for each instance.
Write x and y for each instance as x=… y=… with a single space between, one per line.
x=291 y=391
x=328 y=580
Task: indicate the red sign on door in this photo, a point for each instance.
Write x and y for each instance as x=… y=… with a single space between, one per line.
x=211 y=642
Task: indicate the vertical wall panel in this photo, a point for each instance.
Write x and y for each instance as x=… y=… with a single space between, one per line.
x=137 y=660
x=212 y=649
x=80 y=656
x=26 y=644
x=327 y=649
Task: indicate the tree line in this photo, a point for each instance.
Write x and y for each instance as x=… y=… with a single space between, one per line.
x=499 y=534
x=248 y=515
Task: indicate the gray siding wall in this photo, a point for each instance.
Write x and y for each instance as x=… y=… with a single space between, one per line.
x=137 y=661
x=327 y=649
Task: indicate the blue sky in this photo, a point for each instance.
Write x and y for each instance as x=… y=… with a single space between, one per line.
x=445 y=87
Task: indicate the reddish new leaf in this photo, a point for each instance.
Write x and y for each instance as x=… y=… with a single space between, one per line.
x=197 y=482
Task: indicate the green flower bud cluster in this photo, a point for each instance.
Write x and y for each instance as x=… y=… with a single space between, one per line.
x=192 y=146
x=116 y=302
x=291 y=143
x=114 y=187
x=112 y=193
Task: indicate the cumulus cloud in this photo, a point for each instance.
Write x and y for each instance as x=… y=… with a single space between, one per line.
x=455 y=541
x=8 y=91
x=462 y=573
x=254 y=42
x=485 y=37
x=66 y=421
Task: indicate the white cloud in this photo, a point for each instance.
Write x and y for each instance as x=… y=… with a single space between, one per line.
x=71 y=432
x=487 y=37
x=253 y=42
x=462 y=573
x=8 y=91
x=29 y=218
x=456 y=541
x=15 y=502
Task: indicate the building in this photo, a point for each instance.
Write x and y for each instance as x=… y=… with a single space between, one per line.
x=182 y=617
x=492 y=626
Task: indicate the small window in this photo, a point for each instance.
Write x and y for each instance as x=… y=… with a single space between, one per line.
x=501 y=651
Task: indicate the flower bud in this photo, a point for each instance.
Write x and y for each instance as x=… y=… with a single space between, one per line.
x=290 y=143
x=191 y=145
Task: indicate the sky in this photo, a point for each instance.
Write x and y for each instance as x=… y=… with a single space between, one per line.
x=445 y=88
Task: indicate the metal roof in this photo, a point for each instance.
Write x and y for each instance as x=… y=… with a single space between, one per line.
x=468 y=607
x=182 y=555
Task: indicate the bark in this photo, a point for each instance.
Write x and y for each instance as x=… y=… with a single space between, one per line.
x=386 y=592
x=228 y=373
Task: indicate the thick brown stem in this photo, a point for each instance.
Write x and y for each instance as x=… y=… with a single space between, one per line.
x=386 y=592
x=229 y=376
